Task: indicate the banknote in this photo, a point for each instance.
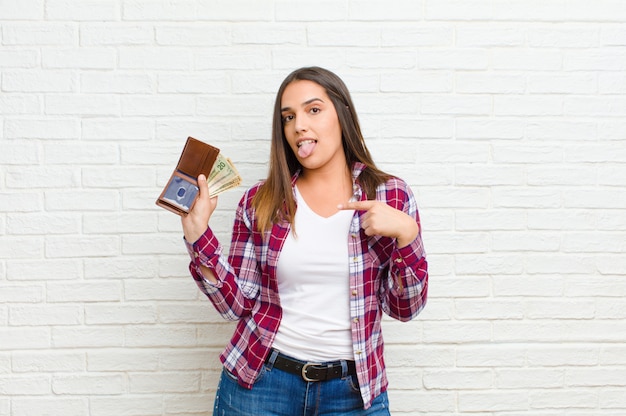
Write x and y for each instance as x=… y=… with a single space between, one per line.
x=223 y=176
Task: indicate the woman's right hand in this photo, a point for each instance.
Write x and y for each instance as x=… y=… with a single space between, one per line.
x=196 y=222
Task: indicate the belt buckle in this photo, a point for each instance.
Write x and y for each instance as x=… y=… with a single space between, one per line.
x=305 y=367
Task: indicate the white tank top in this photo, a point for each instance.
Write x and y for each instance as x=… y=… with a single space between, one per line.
x=313 y=284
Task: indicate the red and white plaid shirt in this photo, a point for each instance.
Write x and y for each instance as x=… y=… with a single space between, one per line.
x=383 y=278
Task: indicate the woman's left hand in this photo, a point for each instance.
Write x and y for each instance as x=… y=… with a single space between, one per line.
x=381 y=219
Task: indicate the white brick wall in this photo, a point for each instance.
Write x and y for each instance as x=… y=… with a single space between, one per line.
x=506 y=117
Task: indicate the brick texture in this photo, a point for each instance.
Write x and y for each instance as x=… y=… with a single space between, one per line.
x=506 y=117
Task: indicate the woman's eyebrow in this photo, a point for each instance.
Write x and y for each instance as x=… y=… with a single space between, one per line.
x=307 y=102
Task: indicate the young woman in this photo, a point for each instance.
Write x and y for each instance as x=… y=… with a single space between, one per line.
x=320 y=249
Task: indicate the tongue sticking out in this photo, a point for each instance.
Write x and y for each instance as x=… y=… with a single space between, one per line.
x=306 y=149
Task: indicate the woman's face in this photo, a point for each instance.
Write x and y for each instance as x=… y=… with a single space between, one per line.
x=311 y=125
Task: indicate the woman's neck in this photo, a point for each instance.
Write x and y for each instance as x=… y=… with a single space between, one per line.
x=324 y=189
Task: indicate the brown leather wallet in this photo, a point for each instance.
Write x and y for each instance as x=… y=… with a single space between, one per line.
x=181 y=190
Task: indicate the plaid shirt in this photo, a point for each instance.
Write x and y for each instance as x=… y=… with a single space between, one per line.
x=383 y=278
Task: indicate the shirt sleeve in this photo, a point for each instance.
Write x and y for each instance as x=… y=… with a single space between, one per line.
x=406 y=287
x=238 y=276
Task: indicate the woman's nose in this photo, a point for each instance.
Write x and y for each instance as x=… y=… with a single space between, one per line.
x=301 y=124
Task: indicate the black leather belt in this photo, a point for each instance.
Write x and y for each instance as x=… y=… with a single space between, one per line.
x=313 y=371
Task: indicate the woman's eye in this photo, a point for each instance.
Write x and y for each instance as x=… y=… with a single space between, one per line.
x=287 y=118
x=315 y=110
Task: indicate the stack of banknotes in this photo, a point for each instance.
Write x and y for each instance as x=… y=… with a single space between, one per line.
x=223 y=176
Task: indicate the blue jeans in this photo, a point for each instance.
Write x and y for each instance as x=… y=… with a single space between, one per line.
x=279 y=393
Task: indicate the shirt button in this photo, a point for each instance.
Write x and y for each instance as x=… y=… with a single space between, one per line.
x=354 y=235
x=196 y=255
x=354 y=293
x=399 y=260
x=356 y=320
x=359 y=352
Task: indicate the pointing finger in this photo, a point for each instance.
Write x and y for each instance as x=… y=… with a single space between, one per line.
x=357 y=206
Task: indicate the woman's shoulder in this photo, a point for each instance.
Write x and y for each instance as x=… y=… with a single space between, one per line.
x=255 y=188
x=250 y=193
x=394 y=183
x=394 y=189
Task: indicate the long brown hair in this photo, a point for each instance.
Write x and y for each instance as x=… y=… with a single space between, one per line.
x=275 y=201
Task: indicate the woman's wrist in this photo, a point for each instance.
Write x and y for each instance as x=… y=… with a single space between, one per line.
x=408 y=234
x=193 y=235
